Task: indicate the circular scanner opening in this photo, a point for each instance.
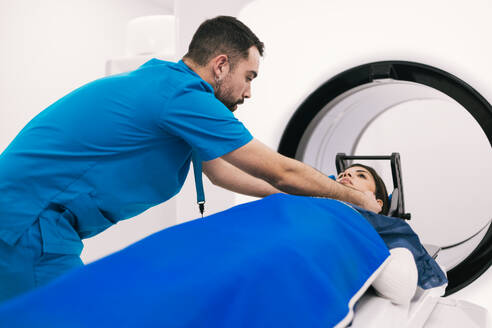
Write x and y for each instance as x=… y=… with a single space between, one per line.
x=439 y=126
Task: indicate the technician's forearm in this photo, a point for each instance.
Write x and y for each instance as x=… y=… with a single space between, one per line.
x=301 y=179
x=230 y=177
x=249 y=185
x=291 y=176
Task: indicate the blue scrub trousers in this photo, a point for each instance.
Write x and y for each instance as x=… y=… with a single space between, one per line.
x=26 y=265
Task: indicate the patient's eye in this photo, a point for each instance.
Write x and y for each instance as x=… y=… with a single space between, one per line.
x=362 y=175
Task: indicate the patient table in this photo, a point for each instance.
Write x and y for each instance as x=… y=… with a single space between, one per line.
x=428 y=309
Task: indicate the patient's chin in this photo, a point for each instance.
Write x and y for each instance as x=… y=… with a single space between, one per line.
x=398 y=279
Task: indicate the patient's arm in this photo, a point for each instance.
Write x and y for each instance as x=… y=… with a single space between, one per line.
x=230 y=177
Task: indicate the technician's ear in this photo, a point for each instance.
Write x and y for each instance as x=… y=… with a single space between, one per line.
x=220 y=65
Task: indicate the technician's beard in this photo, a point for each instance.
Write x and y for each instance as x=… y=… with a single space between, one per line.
x=224 y=95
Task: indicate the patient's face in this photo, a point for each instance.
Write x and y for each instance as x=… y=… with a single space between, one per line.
x=358 y=178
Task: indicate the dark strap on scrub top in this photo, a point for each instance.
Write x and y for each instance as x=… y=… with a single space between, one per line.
x=197 y=170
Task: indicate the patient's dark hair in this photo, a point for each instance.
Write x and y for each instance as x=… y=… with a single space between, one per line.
x=222 y=35
x=381 y=192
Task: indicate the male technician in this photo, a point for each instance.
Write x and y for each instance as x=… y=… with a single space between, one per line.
x=121 y=144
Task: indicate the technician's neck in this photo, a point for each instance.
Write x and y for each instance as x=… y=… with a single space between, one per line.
x=203 y=71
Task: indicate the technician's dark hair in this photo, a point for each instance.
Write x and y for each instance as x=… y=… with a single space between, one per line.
x=381 y=192
x=222 y=35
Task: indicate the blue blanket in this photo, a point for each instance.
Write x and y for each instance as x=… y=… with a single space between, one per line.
x=283 y=261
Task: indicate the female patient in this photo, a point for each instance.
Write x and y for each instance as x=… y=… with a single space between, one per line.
x=398 y=280
x=365 y=178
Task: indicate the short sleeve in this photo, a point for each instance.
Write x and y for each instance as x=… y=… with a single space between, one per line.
x=195 y=115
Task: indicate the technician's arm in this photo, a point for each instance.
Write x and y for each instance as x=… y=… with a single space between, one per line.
x=230 y=177
x=292 y=176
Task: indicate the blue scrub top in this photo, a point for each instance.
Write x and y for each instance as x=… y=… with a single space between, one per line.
x=113 y=148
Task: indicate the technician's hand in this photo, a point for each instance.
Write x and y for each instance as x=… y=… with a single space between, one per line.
x=370 y=203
